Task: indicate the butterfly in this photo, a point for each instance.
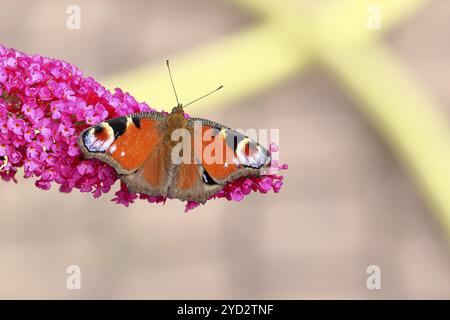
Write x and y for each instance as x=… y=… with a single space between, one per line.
x=141 y=148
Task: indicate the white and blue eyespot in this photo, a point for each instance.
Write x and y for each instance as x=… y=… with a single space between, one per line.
x=93 y=143
x=255 y=159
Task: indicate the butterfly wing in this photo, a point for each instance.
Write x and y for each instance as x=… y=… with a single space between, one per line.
x=221 y=155
x=134 y=145
x=191 y=182
x=124 y=142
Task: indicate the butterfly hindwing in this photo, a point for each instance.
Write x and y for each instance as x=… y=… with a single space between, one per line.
x=189 y=184
x=154 y=175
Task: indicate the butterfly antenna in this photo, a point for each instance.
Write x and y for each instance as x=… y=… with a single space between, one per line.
x=171 y=80
x=204 y=96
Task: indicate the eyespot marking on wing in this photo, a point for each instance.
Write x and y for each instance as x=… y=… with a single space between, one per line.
x=251 y=154
x=207 y=178
x=98 y=138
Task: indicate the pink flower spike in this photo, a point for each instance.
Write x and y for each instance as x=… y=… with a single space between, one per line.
x=45 y=103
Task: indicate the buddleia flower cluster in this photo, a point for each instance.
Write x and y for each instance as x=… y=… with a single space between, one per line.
x=44 y=105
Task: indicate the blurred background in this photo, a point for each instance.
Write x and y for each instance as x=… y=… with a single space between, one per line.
x=361 y=97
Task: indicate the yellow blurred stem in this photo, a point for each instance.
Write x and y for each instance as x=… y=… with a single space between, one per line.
x=404 y=114
x=244 y=63
x=294 y=34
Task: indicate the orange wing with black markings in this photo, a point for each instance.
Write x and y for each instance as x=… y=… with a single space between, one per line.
x=220 y=155
x=227 y=154
x=124 y=142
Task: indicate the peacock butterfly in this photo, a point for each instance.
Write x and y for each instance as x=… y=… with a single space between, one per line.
x=148 y=155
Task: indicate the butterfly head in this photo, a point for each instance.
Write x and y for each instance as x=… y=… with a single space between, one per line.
x=176 y=118
x=178 y=109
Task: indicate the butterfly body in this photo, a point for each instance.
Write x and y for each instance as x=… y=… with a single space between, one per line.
x=141 y=148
